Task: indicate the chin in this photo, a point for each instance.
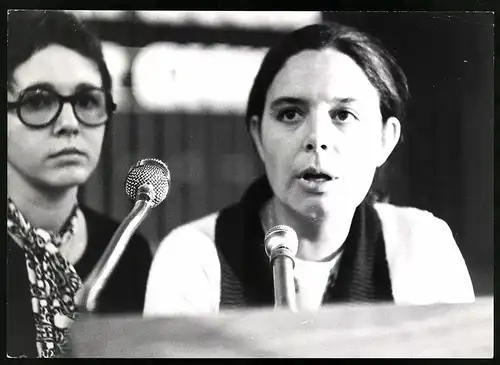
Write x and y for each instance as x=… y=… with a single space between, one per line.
x=315 y=212
x=68 y=178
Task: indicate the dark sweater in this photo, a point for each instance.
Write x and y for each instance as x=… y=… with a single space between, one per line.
x=124 y=292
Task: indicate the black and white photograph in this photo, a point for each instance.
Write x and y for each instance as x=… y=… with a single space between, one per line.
x=249 y=184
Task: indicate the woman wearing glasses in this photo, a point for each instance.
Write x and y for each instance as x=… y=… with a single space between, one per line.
x=324 y=113
x=59 y=103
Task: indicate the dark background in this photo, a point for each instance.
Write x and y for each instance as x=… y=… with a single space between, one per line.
x=444 y=165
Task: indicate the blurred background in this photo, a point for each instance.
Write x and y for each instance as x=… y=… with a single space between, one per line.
x=181 y=82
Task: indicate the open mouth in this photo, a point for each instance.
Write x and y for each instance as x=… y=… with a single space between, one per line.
x=312 y=175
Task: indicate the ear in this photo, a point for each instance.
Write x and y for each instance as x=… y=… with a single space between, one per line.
x=391 y=131
x=255 y=132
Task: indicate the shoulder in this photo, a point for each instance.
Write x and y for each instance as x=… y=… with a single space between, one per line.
x=410 y=226
x=98 y=222
x=204 y=226
x=417 y=245
x=185 y=273
x=126 y=286
x=100 y=230
x=102 y=225
x=93 y=216
x=188 y=247
x=195 y=235
x=408 y=217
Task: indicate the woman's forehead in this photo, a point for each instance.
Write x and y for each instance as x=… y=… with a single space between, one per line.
x=322 y=74
x=63 y=68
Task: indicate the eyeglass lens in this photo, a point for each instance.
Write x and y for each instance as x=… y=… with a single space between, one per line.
x=40 y=106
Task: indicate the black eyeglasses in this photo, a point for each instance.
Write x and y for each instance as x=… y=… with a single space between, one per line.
x=38 y=107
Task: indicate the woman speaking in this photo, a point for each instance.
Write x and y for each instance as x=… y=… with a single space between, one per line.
x=325 y=113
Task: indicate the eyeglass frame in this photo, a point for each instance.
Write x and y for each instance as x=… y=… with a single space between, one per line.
x=110 y=106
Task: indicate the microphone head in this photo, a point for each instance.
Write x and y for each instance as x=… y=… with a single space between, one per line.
x=281 y=236
x=152 y=172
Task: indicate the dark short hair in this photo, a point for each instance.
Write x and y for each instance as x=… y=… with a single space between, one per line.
x=29 y=31
x=377 y=63
x=379 y=66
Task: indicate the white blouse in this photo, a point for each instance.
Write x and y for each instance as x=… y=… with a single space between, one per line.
x=425 y=266
x=311 y=278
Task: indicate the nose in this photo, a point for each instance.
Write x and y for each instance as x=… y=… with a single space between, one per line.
x=319 y=134
x=66 y=122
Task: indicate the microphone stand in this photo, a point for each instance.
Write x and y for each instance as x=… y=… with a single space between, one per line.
x=100 y=274
x=284 y=285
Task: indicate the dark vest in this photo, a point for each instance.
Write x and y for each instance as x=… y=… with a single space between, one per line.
x=246 y=275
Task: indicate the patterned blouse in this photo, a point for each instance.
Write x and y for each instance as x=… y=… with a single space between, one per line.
x=53 y=280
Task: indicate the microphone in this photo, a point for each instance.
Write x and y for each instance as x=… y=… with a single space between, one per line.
x=281 y=245
x=147 y=185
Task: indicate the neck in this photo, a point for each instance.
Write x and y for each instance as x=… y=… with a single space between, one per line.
x=320 y=238
x=43 y=207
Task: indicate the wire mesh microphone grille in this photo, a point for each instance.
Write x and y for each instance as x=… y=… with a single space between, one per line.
x=148 y=171
x=281 y=236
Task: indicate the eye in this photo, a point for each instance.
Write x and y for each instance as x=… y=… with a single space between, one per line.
x=90 y=100
x=343 y=116
x=38 y=99
x=289 y=115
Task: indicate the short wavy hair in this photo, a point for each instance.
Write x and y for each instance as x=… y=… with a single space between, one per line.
x=29 y=31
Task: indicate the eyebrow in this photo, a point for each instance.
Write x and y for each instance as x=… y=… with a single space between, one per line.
x=347 y=100
x=293 y=100
x=47 y=85
x=286 y=100
x=41 y=85
x=86 y=85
